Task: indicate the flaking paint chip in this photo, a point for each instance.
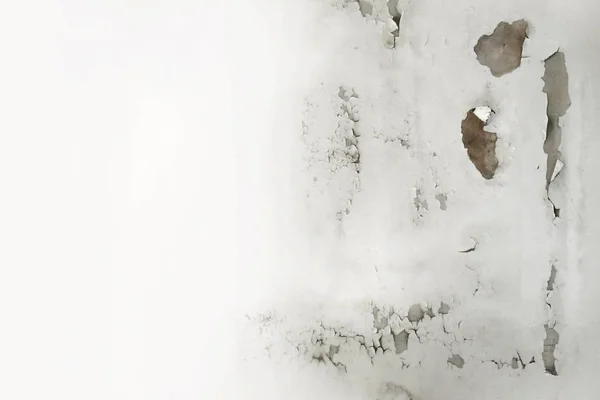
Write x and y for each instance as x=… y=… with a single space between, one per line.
x=558 y=167
x=483 y=113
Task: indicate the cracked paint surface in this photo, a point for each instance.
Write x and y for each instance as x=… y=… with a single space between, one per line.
x=420 y=273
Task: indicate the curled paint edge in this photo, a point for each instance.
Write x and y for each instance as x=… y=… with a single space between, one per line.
x=483 y=113
x=559 y=166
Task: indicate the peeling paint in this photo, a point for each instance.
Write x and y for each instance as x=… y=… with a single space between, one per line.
x=502 y=50
x=401 y=342
x=556 y=87
x=480 y=145
x=444 y=309
x=456 y=360
x=415 y=313
x=550 y=343
x=551 y=279
x=442 y=200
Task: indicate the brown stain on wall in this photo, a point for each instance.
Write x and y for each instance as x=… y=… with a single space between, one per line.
x=502 y=50
x=480 y=145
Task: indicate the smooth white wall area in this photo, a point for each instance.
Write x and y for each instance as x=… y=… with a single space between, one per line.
x=118 y=200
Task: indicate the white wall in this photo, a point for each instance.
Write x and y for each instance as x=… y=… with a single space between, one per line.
x=155 y=185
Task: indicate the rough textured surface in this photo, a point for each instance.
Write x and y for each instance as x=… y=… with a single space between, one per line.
x=501 y=51
x=480 y=145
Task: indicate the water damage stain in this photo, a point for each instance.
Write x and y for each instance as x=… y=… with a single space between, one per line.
x=502 y=50
x=480 y=145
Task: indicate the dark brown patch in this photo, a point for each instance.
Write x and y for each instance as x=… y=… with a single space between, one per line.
x=502 y=50
x=480 y=145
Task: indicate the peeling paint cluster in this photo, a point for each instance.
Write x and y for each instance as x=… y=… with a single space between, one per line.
x=396 y=334
x=386 y=13
x=335 y=157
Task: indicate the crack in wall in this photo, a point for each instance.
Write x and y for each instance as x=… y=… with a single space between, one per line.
x=514 y=363
x=338 y=347
x=394 y=338
x=396 y=16
x=470 y=249
x=555 y=210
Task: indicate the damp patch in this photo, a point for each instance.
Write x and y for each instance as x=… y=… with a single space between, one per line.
x=480 y=144
x=501 y=51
